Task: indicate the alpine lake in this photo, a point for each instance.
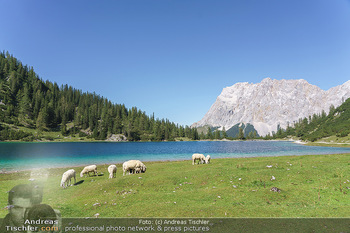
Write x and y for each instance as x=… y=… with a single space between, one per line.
x=17 y=156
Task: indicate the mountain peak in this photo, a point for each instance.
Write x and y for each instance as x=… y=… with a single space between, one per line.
x=270 y=103
x=266 y=80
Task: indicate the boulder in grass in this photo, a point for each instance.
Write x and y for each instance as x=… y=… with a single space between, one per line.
x=275 y=189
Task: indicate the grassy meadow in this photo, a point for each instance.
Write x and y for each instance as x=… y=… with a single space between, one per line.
x=311 y=186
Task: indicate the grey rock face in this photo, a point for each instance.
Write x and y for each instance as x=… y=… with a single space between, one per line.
x=271 y=103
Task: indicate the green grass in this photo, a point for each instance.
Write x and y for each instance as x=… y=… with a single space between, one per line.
x=46 y=135
x=332 y=141
x=312 y=186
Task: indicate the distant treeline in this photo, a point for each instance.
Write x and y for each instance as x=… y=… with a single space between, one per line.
x=26 y=100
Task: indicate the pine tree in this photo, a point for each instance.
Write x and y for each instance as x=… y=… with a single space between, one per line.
x=250 y=135
x=25 y=104
x=40 y=121
x=209 y=133
x=195 y=135
x=224 y=134
x=241 y=134
x=64 y=126
x=217 y=134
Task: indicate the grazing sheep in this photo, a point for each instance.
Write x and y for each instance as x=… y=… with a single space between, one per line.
x=66 y=178
x=133 y=166
x=88 y=169
x=199 y=157
x=112 y=169
x=207 y=159
x=141 y=169
x=129 y=166
x=137 y=170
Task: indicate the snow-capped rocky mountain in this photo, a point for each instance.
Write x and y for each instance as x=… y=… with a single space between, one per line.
x=271 y=103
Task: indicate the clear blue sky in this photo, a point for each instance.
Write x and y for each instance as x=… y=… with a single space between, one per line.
x=174 y=57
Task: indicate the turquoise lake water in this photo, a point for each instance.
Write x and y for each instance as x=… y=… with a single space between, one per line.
x=23 y=156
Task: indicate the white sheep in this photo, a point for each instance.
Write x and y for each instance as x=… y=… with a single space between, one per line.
x=112 y=169
x=199 y=157
x=133 y=166
x=207 y=159
x=137 y=170
x=66 y=178
x=88 y=169
x=141 y=169
x=128 y=166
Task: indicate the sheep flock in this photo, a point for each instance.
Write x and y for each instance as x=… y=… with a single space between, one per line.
x=129 y=167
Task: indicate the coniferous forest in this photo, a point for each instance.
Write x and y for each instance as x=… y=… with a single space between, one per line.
x=318 y=126
x=26 y=101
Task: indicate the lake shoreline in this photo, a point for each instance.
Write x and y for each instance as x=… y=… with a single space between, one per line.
x=84 y=140
x=297 y=141
x=151 y=161
x=28 y=156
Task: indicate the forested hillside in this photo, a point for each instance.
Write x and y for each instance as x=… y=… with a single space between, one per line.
x=26 y=101
x=336 y=123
